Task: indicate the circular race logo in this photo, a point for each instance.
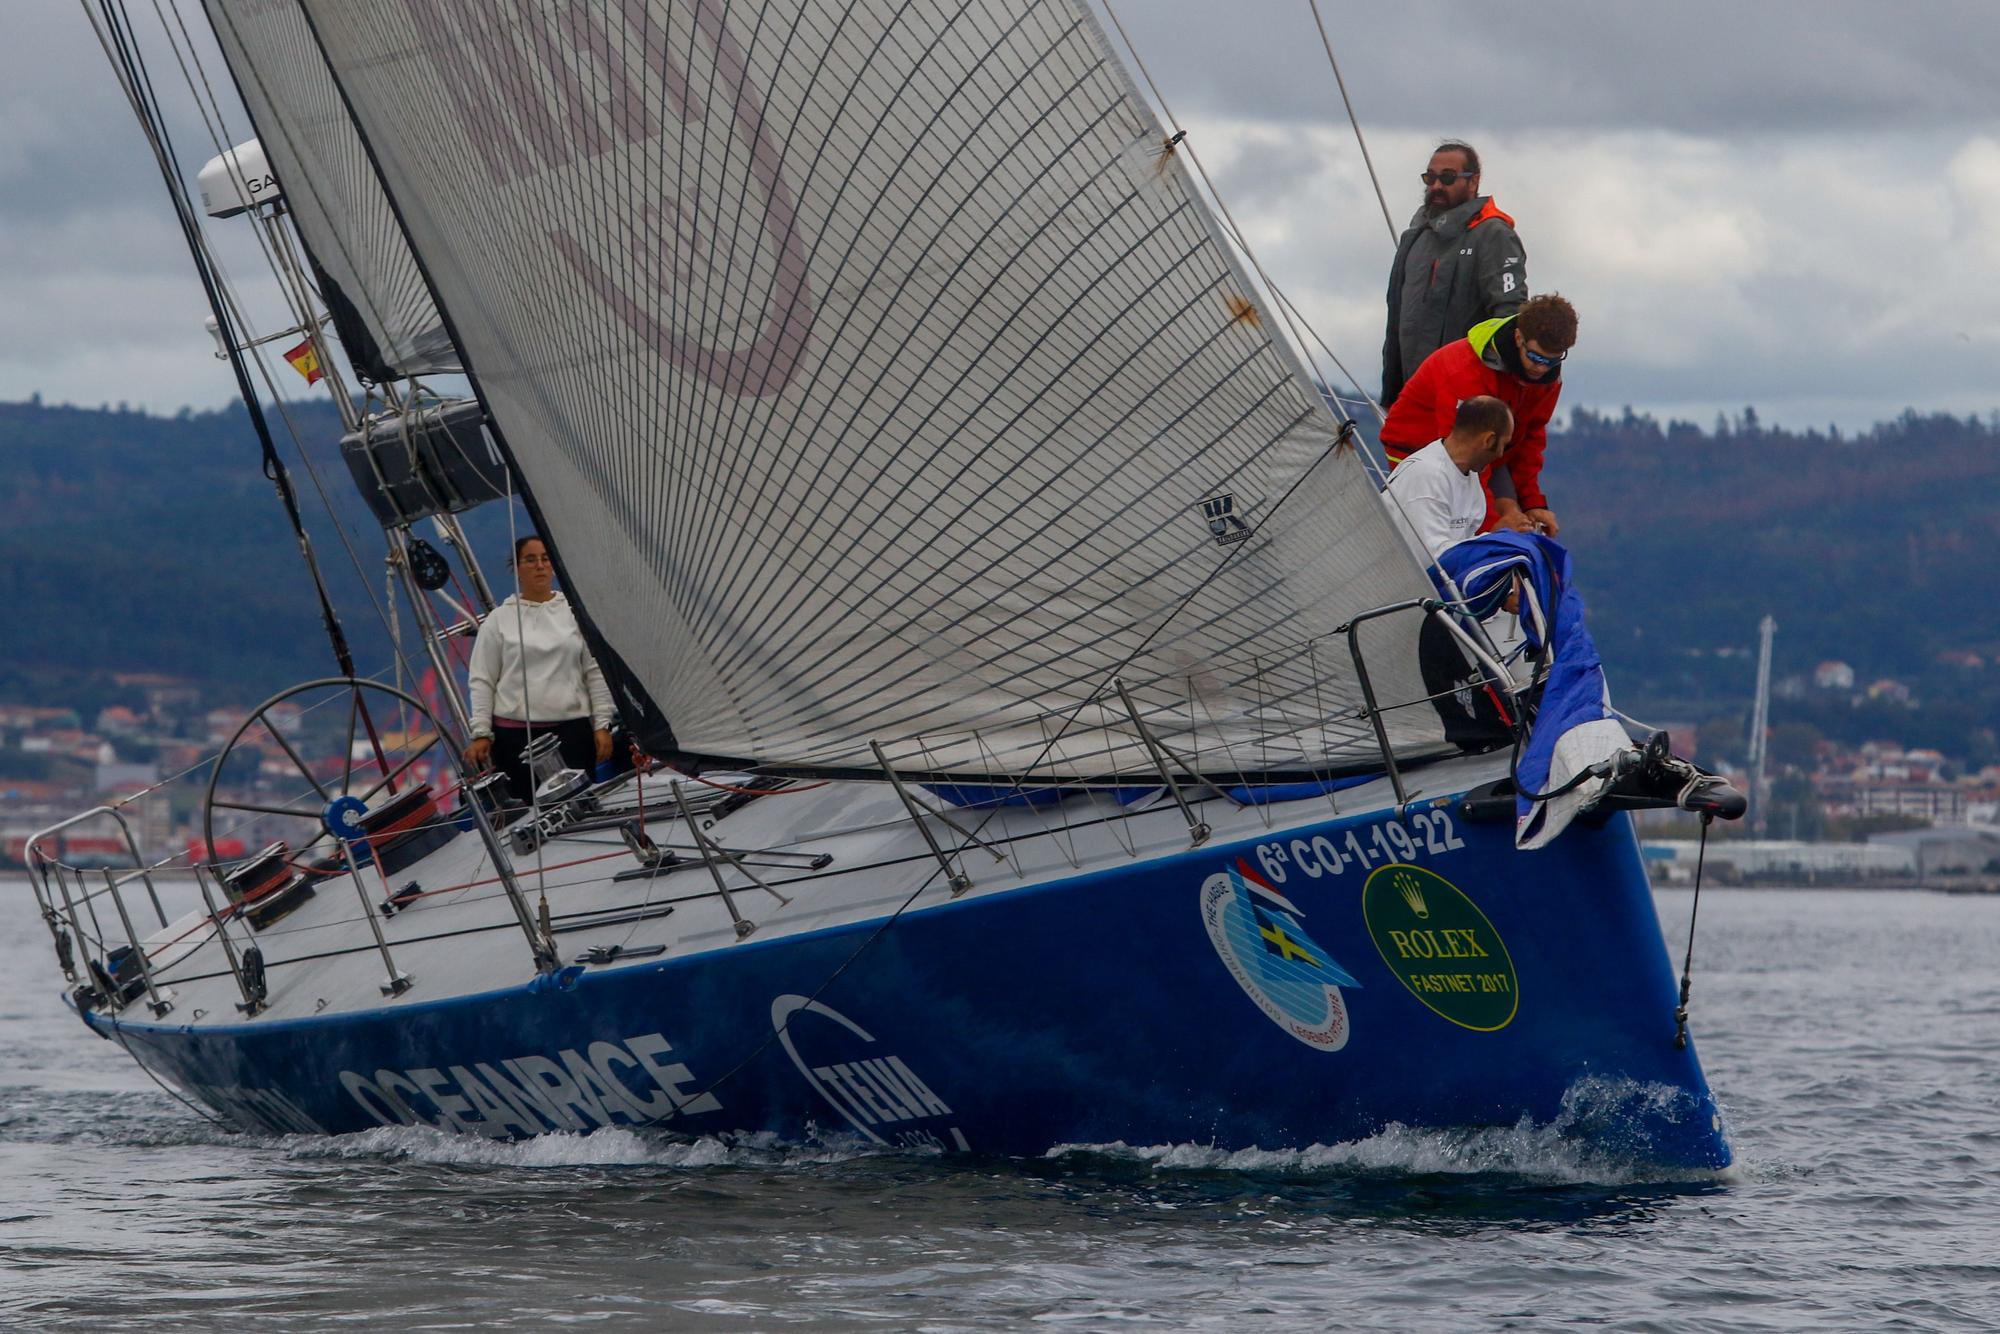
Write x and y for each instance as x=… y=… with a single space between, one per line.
x=871 y=1087
x=1440 y=946
x=1256 y=931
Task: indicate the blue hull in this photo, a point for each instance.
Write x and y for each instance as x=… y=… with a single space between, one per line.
x=1276 y=992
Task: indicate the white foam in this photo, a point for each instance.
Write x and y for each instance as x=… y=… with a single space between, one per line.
x=612 y=1147
x=1561 y=1151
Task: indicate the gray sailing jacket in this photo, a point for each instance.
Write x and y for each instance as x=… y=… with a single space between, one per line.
x=1451 y=272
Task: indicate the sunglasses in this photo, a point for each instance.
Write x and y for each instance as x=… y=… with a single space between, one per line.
x=1541 y=360
x=1446 y=177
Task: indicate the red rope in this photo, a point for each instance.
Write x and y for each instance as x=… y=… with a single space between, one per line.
x=236 y=909
x=494 y=880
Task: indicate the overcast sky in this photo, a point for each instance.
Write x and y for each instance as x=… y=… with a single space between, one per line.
x=1773 y=202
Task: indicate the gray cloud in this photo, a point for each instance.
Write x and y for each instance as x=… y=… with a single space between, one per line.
x=103 y=304
x=1788 y=203
x=1717 y=67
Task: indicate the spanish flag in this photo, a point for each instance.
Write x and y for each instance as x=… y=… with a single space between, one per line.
x=306 y=362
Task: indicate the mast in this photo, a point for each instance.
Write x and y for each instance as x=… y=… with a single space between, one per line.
x=1760 y=724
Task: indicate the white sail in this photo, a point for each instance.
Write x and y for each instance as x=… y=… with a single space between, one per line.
x=332 y=189
x=872 y=363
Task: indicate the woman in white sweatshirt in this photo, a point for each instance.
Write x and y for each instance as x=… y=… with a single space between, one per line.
x=531 y=674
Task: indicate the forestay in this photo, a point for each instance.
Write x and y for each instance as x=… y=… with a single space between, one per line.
x=332 y=189
x=882 y=377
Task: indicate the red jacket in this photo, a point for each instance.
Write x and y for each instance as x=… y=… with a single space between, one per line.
x=1465 y=369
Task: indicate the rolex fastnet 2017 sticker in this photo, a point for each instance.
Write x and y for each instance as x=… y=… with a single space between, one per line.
x=1441 y=947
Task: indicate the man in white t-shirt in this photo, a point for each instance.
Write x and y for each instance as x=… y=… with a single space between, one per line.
x=1434 y=495
x=1436 y=499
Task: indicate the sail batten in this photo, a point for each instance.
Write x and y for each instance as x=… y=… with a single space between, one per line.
x=880 y=374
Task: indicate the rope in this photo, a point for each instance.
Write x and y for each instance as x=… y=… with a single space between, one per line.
x=752 y=791
x=1687 y=964
x=118 y=1034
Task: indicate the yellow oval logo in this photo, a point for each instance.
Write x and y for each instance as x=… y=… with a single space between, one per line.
x=1441 y=947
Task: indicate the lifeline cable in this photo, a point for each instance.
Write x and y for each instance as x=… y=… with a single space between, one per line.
x=118 y=1035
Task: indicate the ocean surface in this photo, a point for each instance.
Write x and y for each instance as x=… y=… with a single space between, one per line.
x=1850 y=1036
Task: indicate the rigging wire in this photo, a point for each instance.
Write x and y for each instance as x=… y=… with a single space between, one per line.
x=528 y=711
x=1355 y=121
x=128 y=64
x=299 y=302
x=1687 y=963
x=118 y=1034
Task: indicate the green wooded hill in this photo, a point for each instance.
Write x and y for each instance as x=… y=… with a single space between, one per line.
x=137 y=542
x=140 y=543
x=1873 y=549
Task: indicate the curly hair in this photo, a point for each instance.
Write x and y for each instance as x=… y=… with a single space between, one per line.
x=1550 y=320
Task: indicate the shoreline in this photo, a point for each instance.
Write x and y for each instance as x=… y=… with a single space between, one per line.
x=1972 y=886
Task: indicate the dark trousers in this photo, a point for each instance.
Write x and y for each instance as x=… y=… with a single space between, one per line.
x=576 y=737
x=1467 y=705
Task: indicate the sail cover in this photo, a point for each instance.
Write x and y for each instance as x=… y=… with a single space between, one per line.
x=376 y=290
x=882 y=378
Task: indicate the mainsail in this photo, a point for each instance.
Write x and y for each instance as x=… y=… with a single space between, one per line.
x=382 y=308
x=882 y=377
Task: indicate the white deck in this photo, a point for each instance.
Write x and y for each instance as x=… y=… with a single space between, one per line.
x=462 y=937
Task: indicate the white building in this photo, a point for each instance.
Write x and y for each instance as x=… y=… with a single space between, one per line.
x=1966 y=850
x=1781 y=857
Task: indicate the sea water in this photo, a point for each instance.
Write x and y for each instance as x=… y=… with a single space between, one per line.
x=1849 y=1035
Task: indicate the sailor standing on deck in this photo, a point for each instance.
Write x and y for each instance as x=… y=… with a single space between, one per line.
x=531 y=673
x=1459 y=262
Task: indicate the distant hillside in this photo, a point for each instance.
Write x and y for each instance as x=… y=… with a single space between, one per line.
x=136 y=542
x=148 y=543
x=1875 y=550
x=1870 y=549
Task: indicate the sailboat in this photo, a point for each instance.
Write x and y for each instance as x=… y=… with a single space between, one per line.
x=1031 y=742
